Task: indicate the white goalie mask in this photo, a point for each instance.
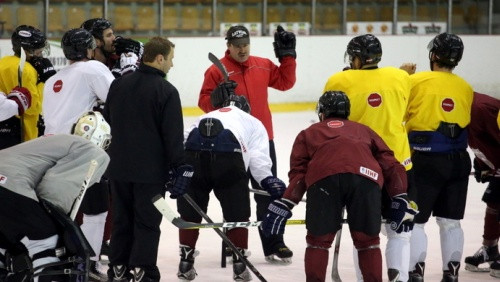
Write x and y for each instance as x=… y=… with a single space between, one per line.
x=92 y=126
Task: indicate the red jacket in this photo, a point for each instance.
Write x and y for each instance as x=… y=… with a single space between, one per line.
x=253 y=76
x=336 y=146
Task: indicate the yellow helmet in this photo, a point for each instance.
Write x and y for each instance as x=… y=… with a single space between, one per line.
x=93 y=127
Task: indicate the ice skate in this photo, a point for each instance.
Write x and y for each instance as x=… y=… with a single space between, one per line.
x=393 y=275
x=483 y=255
x=119 y=273
x=495 y=269
x=451 y=275
x=140 y=276
x=240 y=271
x=94 y=274
x=417 y=275
x=186 y=270
x=282 y=255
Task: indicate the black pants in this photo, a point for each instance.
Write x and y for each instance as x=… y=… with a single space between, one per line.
x=136 y=226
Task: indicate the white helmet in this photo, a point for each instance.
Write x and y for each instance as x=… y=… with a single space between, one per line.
x=92 y=126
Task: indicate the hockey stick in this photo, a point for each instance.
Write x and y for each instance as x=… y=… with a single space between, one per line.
x=262 y=192
x=335 y=263
x=219 y=65
x=22 y=62
x=161 y=204
x=83 y=189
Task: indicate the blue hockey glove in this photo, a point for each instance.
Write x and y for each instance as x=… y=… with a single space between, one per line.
x=277 y=214
x=402 y=213
x=179 y=180
x=274 y=186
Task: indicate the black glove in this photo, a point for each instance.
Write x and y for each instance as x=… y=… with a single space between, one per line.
x=481 y=172
x=284 y=43
x=179 y=179
x=274 y=186
x=402 y=213
x=125 y=45
x=222 y=92
x=277 y=214
x=43 y=67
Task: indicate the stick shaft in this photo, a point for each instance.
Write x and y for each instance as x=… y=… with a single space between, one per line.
x=83 y=189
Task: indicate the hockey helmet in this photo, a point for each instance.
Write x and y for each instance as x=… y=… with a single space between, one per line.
x=30 y=39
x=334 y=104
x=447 y=49
x=237 y=101
x=92 y=126
x=75 y=43
x=366 y=47
x=96 y=26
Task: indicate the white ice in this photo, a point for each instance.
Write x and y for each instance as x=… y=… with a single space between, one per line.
x=286 y=128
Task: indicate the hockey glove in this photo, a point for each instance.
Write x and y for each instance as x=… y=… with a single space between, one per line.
x=277 y=214
x=126 y=45
x=179 y=179
x=274 y=186
x=481 y=172
x=222 y=92
x=402 y=213
x=284 y=43
x=43 y=67
x=22 y=97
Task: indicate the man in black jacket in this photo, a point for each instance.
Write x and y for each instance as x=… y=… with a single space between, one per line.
x=144 y=111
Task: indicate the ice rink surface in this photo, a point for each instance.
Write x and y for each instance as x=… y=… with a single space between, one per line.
x=286 y=128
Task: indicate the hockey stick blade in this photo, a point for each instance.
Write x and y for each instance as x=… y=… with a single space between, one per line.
x=219 y=65
x=162 y=206
x=83 y=189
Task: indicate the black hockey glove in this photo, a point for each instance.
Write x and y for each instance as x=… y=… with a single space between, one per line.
x=43 y=67
x=125 y=45
x=179 y=179
x=481 y=172
x=274 y=186
x=284 y=43
x=222 y=92
x=277 y=214
x=402 y=213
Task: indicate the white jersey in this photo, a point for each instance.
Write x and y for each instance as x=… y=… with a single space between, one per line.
x=71 y=92
x=51 y=168
x=8 y=107
x=251 y=135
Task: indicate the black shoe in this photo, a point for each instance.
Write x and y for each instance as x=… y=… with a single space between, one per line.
x=140 y=276
x=283 y=253
x=240 y=270
x=393 y=275
x=451 y=275
x=119 y=273
x=186 y=265
x=417 y=275
x=483 y=255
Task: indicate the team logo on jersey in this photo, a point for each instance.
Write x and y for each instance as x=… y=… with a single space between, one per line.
x=368 y=172
x=335 y=124
x=374 y=100
x=224 y=109
x=448 y=105
x=57 y=86
x=3 y=179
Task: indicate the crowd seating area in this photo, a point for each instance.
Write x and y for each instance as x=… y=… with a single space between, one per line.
x=194 y=17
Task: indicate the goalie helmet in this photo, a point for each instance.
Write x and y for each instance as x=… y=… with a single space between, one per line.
x=30 y=38
x=334 y=104
x=93 y=127
x=447 y=49
x=237 y=101
x=76 y=42
x=366 y=47
x=96 y=26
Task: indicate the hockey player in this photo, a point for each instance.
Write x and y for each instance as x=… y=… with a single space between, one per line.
x=76 y=89
x=222 y=146
x=251 y=76
x=35 y=72
x=340 y=164
x=14 y=103
x=379 y=97
x=439 y=110
x=120 y=55
x=484 y=141
x=145 y=113
x=51 y=169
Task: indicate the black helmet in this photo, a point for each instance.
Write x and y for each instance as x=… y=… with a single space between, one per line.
x=75 y=43
x=237 y=101
x=366 y=47
x=447 y=48
x=28 y=37
x=334 y=104
x=96 y=26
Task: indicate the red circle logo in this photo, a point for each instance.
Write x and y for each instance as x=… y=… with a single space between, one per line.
x=374 y=99
x=448 y=105
x=224 y=109
x=58 y=86
x=335 y=124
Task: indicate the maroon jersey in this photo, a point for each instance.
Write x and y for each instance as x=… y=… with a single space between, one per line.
x=483 y=132
x=336 y=146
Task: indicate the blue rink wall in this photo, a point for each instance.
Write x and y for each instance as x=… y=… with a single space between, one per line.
x=317 y=58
